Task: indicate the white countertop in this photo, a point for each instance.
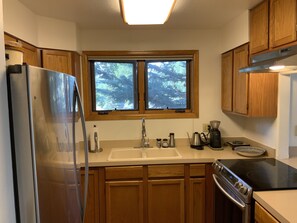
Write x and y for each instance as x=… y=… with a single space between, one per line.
x=281 y=204
x=278 y=203
x=188 y=154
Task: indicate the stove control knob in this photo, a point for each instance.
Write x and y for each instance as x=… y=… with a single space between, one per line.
x=238 y=185
x=243 y=190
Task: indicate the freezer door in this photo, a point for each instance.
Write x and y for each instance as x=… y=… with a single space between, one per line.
x=49 y=98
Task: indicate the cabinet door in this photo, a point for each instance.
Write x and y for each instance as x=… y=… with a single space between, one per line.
x=197 y=201
x=240 y=84
x=57 y=60
x=227 y=81
x=124 y=201
x=166 y=201
x=263 y=216
x=30 y=54
x=259 y=28
x=92 y=209
x=263 y=89
x=282 y=22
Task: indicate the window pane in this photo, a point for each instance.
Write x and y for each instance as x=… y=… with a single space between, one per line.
x=166 y=85
x=114 y=85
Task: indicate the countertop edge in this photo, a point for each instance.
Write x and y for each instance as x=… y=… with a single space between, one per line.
x=276 y=211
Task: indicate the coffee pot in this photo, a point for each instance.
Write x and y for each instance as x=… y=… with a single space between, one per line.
x=215 y=134
x=196 y=142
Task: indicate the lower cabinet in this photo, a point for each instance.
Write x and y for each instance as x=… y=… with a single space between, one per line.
x=173 y=193
x=166 y=201
x=263 y=216
x=124 y=202
x=92 y=209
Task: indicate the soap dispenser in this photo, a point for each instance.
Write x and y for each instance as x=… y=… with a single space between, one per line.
x=94 y=140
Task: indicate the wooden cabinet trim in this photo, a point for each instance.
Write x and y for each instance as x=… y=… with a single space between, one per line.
x=127 y=172
x=172 y=170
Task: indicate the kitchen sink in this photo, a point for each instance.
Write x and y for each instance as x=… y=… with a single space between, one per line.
x=162 y=153
x=117 y=154
x=123 y=154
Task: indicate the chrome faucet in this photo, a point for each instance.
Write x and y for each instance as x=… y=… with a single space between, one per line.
x=144 y=140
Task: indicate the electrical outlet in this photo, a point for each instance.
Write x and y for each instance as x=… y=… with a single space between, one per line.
x=205 y=127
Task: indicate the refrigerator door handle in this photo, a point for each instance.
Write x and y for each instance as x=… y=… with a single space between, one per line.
x=80 y=108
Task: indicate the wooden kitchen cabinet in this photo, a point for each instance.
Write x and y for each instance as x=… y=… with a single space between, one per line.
x=240 y=80
x=166 y=201
x=227 y=81
x=30 y=52
x=253 y=94
x=153 y=193
x=263 y=216
x=92 y=209
x=124 y=194
x=272 y=25
x=62 y=61
x=282 y=22
x=124 y=201
x=57 y=60
x=259 y=27
x=166 y=197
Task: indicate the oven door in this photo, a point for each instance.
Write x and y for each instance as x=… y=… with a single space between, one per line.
x=229 y=208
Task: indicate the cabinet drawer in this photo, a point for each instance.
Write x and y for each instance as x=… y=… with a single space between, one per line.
x=128 y=172
x=166 y=171
x=197 y=170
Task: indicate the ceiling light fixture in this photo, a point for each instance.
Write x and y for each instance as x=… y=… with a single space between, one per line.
x=146 y=12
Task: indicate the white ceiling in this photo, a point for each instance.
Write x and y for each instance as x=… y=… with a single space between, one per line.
x=105 y=14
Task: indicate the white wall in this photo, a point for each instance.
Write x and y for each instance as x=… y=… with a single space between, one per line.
x=56 y=34
x=20 y=21
x=236 y=32
x=293 y=115
x=7 y=213
x=208 y=44
x=39 y=30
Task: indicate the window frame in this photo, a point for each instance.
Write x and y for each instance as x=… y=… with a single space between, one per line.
x=90 y=115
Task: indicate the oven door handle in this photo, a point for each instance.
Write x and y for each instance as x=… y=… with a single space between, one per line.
x=241 y=205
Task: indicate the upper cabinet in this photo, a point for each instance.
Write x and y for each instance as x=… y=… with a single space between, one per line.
x=272 y=25
x=30 y=52
x=58 y=60
x=240 y=86
x=227 y=81
x=247 y=94
x=282 y=22
x=259 y=28
x=62 y=61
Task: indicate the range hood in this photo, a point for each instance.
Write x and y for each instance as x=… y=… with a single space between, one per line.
x=277 y=61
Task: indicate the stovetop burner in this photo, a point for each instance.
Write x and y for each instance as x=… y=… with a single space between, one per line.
x=263 y=174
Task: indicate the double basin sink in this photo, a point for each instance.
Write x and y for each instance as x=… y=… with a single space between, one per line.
x=122 y=154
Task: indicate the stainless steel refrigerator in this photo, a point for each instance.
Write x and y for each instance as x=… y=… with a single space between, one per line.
x=46 y=122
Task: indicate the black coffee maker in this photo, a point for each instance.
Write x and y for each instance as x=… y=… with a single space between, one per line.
x=215 y=134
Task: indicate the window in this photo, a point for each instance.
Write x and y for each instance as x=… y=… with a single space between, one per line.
x=130 y=85
x=114 y=85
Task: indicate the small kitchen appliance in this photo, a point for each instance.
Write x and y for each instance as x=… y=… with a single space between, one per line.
x=215 y=134
x=196 y=142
